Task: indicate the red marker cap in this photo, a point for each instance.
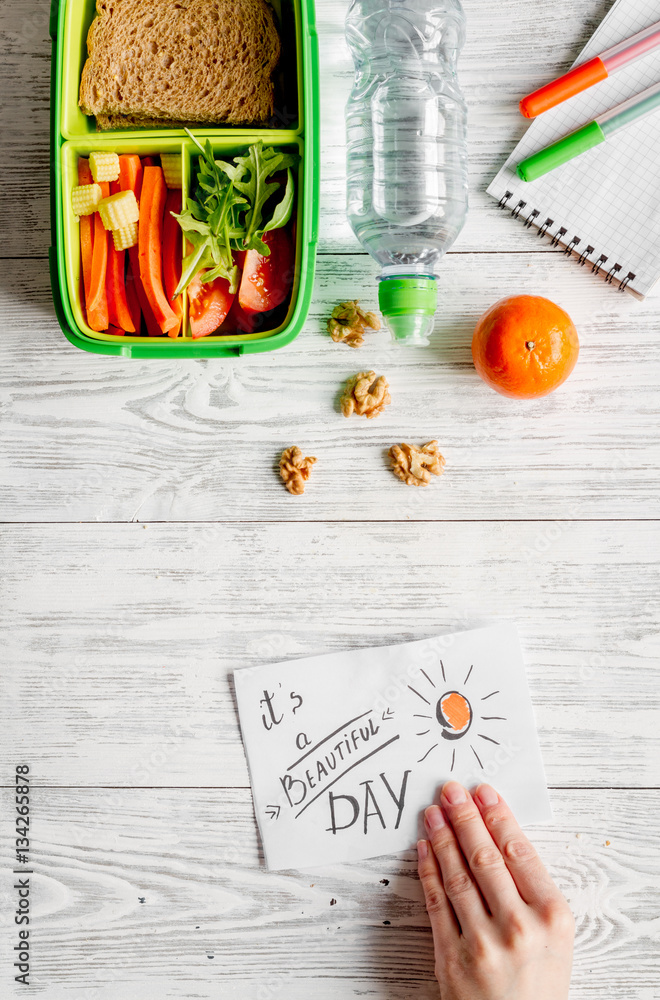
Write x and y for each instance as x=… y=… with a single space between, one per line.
x=579 y=79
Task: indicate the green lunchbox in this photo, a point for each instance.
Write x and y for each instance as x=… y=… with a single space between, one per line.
x=73 y=134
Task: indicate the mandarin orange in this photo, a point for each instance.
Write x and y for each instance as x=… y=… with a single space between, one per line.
x=525 y=346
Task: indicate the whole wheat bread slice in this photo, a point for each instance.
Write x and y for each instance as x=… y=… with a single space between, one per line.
x=202 y=61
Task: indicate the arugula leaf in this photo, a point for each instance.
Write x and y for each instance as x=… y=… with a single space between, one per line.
x=192 y=264
x=205 y=222
x=283 y=209
x=250 y=176
x=190 y=224
x=232 y=208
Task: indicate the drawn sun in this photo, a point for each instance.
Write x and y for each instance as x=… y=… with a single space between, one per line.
x=454 y=715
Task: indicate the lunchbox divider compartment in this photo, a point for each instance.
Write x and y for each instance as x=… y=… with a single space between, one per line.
x=224 y=146
x=70 y=151
x=74 y=124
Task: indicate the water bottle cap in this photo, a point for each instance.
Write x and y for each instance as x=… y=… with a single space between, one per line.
x=408 y=305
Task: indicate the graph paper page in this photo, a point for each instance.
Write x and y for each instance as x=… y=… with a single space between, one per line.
x=608 y=199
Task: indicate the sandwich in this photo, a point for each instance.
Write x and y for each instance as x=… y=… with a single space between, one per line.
x=168 y=62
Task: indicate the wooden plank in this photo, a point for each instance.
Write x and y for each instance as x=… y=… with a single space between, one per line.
x=122 y=638
x=497 y=67
x=89 y=437
x=165 y=892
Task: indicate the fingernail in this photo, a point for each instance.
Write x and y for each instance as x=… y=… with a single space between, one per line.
x=434 y=819
x=422 y=849
x=487 y=795
x=454 y=793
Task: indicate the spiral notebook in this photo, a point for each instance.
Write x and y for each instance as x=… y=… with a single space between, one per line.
x=604 y=206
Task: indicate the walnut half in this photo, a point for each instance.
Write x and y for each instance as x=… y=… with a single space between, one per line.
x=295 y=469
x=348 y=323
x=415 y=466
x=366 y=395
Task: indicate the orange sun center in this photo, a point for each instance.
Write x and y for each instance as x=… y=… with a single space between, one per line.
x=456 y=711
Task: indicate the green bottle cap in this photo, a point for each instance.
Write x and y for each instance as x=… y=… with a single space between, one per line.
x=408 y=305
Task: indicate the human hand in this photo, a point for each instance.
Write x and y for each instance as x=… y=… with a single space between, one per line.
x=501 y=928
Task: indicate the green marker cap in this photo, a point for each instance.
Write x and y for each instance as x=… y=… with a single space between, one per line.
x=408 y=305
x=560 y=152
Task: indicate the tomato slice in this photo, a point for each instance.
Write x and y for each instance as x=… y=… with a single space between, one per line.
x=208 y=304
x=238 y=321
x=266 y=281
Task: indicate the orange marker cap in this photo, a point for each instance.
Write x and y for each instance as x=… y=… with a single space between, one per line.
x=579 y=79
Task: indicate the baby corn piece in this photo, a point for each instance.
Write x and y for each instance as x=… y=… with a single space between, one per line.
x=125 y=237
x=171 y=164
x=104 y=166
x=85 y=199
x=119 y=210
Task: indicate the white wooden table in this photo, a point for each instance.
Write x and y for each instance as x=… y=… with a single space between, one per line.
x=149 y=550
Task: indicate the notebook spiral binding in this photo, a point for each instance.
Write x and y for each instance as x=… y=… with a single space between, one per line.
x=598 y=265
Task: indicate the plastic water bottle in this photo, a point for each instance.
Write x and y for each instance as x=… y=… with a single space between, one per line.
x=406 y=125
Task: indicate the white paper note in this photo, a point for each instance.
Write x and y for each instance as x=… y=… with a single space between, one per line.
x=346 y=750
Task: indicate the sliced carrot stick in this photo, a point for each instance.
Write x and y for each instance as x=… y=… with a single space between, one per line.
x=116 y=330
x=130 y=174
x=172 y=254
x=97 y=303
x=135 y=282
x=86 y=250
x=86 y=234
x=119 y=313
x=81 y=295
x=134 y=271
x=150 y=237
x=84 y=171
x=132 y=299
x=130 y=179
